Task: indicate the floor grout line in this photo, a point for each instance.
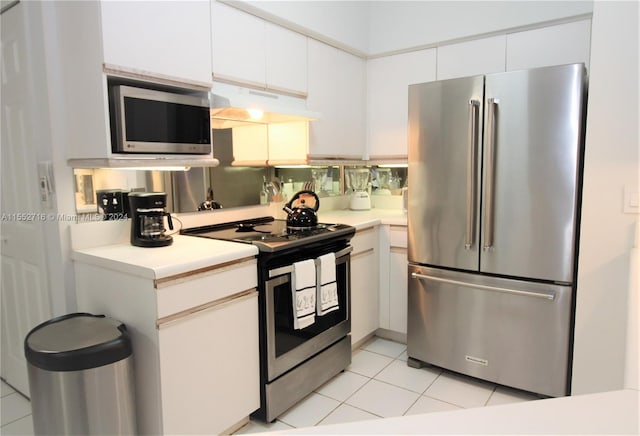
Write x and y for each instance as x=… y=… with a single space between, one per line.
x=342 y=402
x=490 y=395
x=19 y=418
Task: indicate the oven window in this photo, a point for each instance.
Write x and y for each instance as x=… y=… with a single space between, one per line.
x=288 y=338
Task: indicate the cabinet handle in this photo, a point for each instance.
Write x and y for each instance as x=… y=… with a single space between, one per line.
x=546 y=296
x=218 y=304
x=362 y=253
x=363 y=231
x=203 y=272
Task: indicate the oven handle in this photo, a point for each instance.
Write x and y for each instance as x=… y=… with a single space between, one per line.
x=289 y=268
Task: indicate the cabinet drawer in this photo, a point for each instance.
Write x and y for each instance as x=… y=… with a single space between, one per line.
x=179 y=293
x=364 y=240
x=398 y=236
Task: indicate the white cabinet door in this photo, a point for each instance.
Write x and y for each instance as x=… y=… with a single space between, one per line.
x=288 y=143
x=249 y=50
x=336 y=91
x=388 y=79
x=393 y=278
x=250 y=145
x=163 y=38
x=350 y=105
x=480 y=56
x=238 y=44
x=286 y=60
x=554 y=45
x=398 y=290
x=364 y=284
x=209 y=382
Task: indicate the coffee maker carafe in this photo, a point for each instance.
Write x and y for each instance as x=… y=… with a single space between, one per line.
x=147 y=219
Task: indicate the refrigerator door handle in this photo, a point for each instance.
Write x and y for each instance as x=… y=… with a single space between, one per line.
x=472 y=146
x=546 y=296
x=490 y=175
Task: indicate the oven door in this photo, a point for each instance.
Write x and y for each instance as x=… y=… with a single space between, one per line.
x=288 y=347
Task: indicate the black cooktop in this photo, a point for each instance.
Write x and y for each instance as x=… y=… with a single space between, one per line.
x=269 y=234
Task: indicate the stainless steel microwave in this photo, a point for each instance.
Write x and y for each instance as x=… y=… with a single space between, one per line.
x=159 y=122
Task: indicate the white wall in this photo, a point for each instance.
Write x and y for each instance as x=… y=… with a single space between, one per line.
x=340 y=23
x=397 y=25
x=377 y=27
x=611 y=162
x=61 y=272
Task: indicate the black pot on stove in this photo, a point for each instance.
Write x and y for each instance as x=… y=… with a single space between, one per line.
x=301 y=210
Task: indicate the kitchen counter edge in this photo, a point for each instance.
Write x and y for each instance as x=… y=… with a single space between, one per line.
x=186 y=254
x=365 y=218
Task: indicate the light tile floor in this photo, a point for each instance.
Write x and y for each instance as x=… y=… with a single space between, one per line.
x=15 y=412
x=377 y=384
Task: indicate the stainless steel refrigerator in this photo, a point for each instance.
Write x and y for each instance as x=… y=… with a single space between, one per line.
x=493 y=207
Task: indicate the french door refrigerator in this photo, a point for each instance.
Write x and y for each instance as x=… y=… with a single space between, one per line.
x=494 y=176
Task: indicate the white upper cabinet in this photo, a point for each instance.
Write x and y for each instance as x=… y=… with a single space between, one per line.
x=250 y=145
x=159 y=38
x=160 y=42
x=251 y=51
x=554 y=45
x=480 y=56
x=238 y=45
x=271 y=144
x=288 y=143
x=388 y=79
x=337 y=92
x=286 y=59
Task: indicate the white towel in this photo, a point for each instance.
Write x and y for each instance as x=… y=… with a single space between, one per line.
x=303 y=281
x=327 y=300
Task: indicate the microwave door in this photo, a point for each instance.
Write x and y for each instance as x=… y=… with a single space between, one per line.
x=445 y=126
x=531 y=172
x=150 y=121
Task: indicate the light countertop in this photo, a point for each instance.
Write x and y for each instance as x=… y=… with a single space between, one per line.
x=187 y=253
x=364 y=218
x=107 y=245
x=614 y=412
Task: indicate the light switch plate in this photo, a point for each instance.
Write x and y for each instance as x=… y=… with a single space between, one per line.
x=45 y=183
x=631 y=200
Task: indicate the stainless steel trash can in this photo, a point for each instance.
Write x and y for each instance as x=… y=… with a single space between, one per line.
x=81 y=376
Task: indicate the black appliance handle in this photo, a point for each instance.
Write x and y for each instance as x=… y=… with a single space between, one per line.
x=169 y=221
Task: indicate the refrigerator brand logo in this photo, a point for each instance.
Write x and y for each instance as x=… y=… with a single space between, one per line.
x=483 y=362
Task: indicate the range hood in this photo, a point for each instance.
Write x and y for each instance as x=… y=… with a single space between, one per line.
x=233 y=106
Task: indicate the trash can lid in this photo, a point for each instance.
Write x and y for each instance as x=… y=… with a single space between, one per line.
x=77 y=341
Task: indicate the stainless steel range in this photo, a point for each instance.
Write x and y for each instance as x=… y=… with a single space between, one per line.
x=295 y=359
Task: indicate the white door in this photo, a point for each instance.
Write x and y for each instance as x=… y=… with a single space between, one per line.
x=25 y=294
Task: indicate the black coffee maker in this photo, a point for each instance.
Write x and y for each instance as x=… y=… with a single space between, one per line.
x=147 y=211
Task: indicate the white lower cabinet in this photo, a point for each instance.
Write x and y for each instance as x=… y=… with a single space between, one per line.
x=393 y=279
x=194 y=338
x=398 y=289
x=364 y=284
x=208 y=362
